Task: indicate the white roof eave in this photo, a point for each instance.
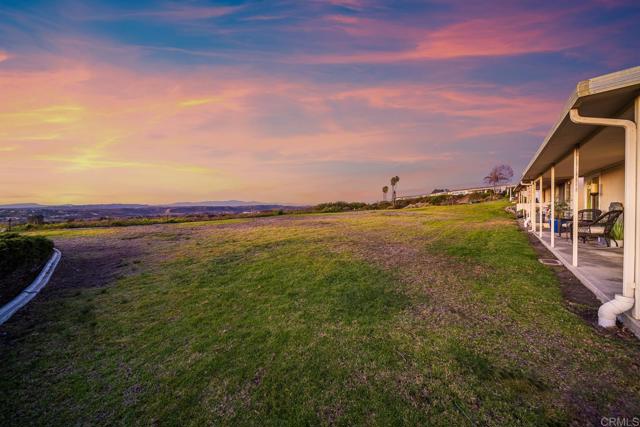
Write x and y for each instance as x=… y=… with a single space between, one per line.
x=600 y=84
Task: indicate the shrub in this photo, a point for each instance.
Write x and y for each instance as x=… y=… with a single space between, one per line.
x=17 y=251
x=341 y=206
x=441 y=199
x=475 y=197
x=617 y=232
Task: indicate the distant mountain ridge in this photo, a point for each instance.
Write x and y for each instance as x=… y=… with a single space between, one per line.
x=22 y=206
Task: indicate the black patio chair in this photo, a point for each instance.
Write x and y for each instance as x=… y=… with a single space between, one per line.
x=585 y=217
x=601 y=227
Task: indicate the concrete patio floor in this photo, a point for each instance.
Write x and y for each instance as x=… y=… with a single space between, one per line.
x=599 y=269
x=602 y=265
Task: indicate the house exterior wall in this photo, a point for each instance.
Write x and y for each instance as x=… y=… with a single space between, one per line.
x=582 y=203
x=568 y=192
x=611 y=187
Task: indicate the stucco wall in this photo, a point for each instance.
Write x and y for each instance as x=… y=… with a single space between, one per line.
x=611 y=187
x=582 y=203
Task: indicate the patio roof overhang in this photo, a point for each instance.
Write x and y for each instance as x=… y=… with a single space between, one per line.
x=611 y=95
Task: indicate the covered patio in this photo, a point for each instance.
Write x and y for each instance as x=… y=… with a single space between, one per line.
x=586 y=169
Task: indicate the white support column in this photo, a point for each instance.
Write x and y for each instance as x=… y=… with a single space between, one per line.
x=574 y=197
x=533 y=206
x=553 y=206
x=540 y=200
x=527 y=200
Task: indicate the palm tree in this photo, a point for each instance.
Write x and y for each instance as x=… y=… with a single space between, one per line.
x=498 y=175
x=385 y=190
x=394 y=182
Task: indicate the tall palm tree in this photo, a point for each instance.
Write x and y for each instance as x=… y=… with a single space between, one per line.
x=394 y=182
x=385 y=190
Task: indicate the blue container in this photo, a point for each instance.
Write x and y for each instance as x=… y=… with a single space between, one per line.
x=556 y=225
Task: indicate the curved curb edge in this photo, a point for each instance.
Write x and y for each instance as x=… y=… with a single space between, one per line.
x=32 y=290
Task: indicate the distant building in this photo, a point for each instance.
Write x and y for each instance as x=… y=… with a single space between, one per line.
x=440 y=190
x=462 y=191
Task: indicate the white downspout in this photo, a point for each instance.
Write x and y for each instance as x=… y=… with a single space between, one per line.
x=576 y=203
x=609 y=311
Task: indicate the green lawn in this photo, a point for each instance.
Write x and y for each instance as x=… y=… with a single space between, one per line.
x=441 y=315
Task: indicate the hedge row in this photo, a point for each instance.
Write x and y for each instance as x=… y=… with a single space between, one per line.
x=17 y=251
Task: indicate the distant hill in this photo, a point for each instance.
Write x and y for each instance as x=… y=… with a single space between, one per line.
x=22 y=206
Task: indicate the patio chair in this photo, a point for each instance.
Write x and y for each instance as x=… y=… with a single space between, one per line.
x=585 y=217
x=601 y=227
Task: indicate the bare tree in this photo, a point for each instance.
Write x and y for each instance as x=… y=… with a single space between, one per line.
x=385 y=190
x=498 y=175
x=394 y=182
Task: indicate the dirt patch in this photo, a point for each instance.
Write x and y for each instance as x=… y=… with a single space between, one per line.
x=90 y=263
x=97 y=261
x=230 y=404
x=440 y=279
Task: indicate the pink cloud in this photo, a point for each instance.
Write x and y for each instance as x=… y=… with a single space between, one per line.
x=474 y=110
x=3 y=56
x=498 y=35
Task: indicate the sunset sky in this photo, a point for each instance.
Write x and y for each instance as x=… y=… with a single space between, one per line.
x=286 y=100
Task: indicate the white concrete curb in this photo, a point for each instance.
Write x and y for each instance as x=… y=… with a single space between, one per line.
x=32 y=290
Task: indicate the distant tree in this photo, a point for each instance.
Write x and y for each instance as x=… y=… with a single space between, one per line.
x=385 y=190
x=440 y=190
x=394 y=182
x=498 y=175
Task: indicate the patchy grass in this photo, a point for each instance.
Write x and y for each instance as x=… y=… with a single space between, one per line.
x=438 y=316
